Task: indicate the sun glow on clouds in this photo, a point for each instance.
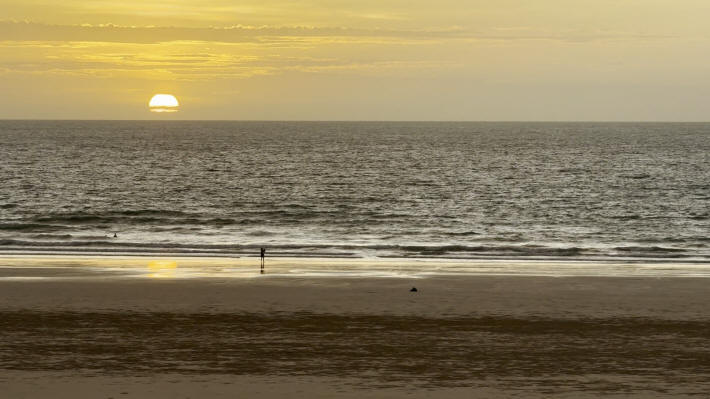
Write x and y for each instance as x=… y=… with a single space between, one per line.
x=163 y=103
x=372 y=59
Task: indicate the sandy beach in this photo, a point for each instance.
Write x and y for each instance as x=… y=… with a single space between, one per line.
x=170 y=327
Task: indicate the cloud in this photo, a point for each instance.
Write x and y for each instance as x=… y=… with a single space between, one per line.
x=32 y=31
x=150 y=61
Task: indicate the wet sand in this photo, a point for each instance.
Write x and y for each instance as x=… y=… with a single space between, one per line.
x=80 y=331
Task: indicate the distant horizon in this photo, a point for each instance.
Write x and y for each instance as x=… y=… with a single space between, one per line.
x=352 y=121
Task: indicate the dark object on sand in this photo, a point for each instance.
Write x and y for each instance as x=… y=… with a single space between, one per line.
x=115 y=235
x=414 y=289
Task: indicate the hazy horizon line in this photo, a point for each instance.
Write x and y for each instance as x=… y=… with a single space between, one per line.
x=353 y=120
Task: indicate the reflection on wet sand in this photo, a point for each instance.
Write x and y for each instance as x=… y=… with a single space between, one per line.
x=614 y=355
x=162 y=268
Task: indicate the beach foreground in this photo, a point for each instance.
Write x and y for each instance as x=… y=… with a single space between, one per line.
x=104 y=327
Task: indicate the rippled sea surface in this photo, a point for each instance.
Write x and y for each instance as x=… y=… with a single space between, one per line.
x=569 y=190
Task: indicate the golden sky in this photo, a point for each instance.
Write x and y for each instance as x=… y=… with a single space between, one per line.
x=357 y=60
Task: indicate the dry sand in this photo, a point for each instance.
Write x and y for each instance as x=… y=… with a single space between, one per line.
x=114 y=327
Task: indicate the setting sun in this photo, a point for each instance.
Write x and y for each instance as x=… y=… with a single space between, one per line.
x=163 y=103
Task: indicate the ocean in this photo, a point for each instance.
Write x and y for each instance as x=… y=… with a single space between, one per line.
x=358 y=189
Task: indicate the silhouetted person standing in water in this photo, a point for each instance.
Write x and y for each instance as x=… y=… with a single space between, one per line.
x=263 y=255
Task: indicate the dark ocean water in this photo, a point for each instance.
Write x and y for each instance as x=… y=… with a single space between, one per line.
x=573 y=190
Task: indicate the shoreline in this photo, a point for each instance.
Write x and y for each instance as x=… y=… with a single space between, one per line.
x=621 y=252
x=182 y=266
x=339 y=255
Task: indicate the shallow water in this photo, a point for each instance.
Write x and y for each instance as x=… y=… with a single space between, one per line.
x=358 y=189
x=196 y=268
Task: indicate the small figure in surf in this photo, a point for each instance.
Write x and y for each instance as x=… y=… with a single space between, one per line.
x=115 y=235
x=263 y=255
